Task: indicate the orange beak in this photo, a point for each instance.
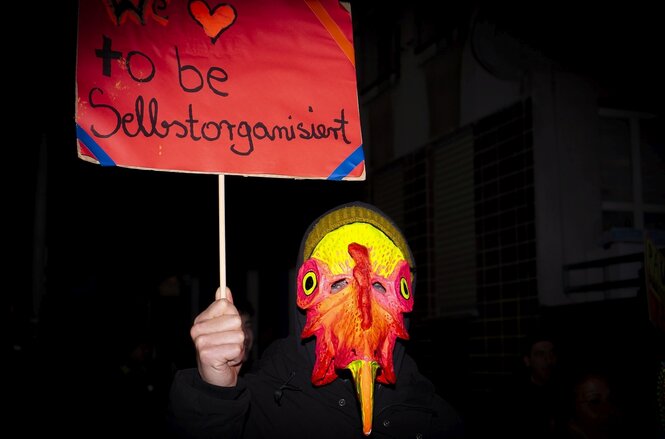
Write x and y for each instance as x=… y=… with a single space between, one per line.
x=364 y=374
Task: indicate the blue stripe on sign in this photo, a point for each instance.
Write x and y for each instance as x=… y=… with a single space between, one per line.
x=94 y=148
x=348 y=165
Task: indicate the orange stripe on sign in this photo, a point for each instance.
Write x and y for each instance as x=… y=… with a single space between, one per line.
x=332 y=28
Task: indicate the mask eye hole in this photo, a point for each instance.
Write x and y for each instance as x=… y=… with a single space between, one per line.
x=404 y=288
x=378 y=287
x=339 y=285
x=309 y=283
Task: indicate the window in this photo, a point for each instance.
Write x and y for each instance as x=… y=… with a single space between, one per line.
x=377 y=39
x=632 y=163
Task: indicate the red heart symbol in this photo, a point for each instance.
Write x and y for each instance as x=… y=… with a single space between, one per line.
x=214 y=21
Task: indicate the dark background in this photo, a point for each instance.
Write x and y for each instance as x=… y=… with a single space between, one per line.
x=83 y=354
x=114 y=235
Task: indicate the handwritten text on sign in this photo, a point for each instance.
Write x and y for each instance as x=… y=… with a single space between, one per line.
x=258 y=87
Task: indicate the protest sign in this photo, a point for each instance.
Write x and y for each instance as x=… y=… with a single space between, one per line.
x=255 y=87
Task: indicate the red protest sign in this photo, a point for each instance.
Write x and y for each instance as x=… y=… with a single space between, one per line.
x=254 y=87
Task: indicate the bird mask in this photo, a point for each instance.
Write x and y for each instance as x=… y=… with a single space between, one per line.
x=355 y=287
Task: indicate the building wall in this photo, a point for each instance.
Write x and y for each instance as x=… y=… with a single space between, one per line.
x=568 y=203
x=495 y=153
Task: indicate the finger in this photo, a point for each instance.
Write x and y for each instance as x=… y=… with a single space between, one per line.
x=214 y=338
x=219 y=355
x=215 y=309
x=227 y=296
x=224 y=346
x=221 y=324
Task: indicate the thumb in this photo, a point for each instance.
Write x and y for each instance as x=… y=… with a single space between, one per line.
x=228 y=296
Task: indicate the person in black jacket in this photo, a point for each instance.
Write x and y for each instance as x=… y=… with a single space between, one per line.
x=344 y=372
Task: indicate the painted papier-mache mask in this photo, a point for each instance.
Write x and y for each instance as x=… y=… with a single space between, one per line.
x=354 y=286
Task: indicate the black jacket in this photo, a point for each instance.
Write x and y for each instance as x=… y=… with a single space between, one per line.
x=279 y=401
